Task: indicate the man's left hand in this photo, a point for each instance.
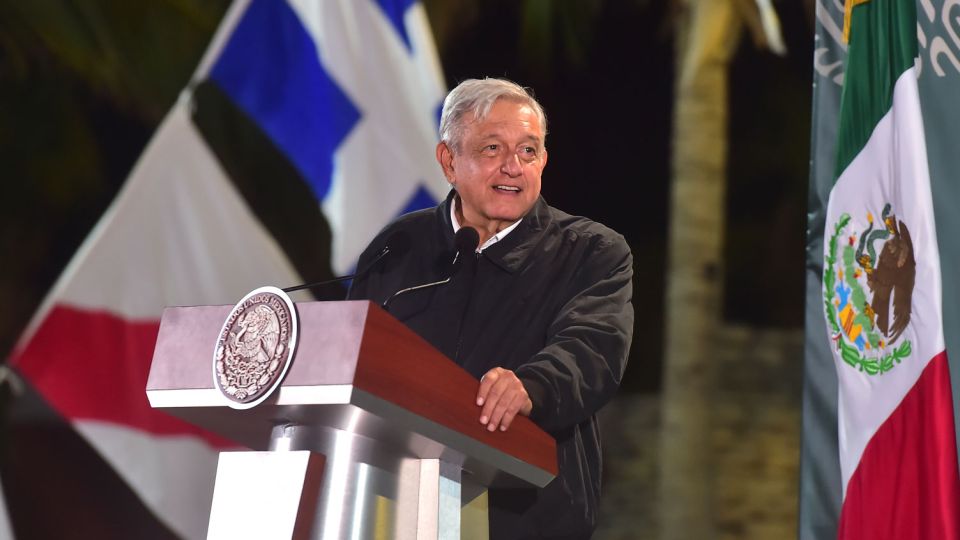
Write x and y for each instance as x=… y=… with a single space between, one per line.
x=502 y=396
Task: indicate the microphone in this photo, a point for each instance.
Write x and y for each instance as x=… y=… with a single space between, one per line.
x=466 y=242
x=397 y=243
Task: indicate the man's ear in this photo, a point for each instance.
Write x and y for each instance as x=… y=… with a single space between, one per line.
x=445 y=159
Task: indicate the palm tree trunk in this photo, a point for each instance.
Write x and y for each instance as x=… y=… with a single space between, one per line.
x=707 y=34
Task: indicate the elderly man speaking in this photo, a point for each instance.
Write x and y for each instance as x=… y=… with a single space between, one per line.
x=540 y=312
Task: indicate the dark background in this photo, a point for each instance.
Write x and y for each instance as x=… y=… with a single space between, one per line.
x=83 y=85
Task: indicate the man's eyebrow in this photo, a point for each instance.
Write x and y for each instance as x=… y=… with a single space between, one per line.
x=534 y=138
x=498 y=135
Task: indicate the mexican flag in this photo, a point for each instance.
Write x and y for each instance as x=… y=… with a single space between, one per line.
x=882 y=295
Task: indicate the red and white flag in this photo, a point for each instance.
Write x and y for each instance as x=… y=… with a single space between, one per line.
x=177 y=234
x=240 y=187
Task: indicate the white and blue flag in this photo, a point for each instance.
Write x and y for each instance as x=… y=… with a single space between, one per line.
x=350 y=92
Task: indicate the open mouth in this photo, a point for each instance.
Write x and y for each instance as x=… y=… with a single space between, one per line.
x=507 y=189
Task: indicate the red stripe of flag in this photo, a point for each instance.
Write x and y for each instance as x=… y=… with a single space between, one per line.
x=906 y=485
x=93 y=366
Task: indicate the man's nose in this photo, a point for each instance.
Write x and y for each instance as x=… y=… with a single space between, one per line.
x=511 y=165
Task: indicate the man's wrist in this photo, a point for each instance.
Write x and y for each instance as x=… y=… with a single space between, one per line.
x=527 y=407
x=536 y=395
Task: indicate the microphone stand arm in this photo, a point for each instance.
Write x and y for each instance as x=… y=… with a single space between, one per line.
x=386 y=303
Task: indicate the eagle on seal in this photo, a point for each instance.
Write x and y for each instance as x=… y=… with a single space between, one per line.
x=892 y=278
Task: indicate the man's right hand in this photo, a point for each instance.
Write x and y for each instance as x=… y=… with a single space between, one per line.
x=502 y=396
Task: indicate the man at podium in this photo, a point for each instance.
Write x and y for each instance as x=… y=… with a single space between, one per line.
x=538 y=307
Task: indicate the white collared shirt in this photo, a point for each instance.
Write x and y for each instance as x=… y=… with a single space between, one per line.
x=490 y=241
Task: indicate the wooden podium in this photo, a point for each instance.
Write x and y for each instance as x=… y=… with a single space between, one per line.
x=373 y=433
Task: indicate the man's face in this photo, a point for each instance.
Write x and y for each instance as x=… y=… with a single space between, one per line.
x=497 y=168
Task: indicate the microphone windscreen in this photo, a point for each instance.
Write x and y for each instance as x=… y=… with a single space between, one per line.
x=466 y=240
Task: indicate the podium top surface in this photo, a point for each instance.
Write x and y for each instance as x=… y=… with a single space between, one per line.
x=355 y=369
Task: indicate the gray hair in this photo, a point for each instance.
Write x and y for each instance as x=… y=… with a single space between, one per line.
x=478 y=96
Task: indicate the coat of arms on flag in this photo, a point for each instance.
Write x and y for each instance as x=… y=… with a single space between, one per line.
x=868 y=296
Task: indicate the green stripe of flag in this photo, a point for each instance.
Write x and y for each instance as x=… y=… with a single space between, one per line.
x=883 y=44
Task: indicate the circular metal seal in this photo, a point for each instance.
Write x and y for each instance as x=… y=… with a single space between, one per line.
x=255 y=347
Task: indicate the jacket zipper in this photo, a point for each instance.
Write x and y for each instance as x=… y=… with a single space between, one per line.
x=466 y=308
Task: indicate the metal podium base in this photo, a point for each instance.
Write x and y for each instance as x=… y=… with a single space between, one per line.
x=354 y=490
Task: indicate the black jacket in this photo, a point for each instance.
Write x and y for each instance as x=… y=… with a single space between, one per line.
x=552 y=302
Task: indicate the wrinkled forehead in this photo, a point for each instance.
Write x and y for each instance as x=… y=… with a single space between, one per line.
x=481 y=110
x=483 y=119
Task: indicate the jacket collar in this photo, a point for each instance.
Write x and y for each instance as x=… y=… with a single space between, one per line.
x=513 y=252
